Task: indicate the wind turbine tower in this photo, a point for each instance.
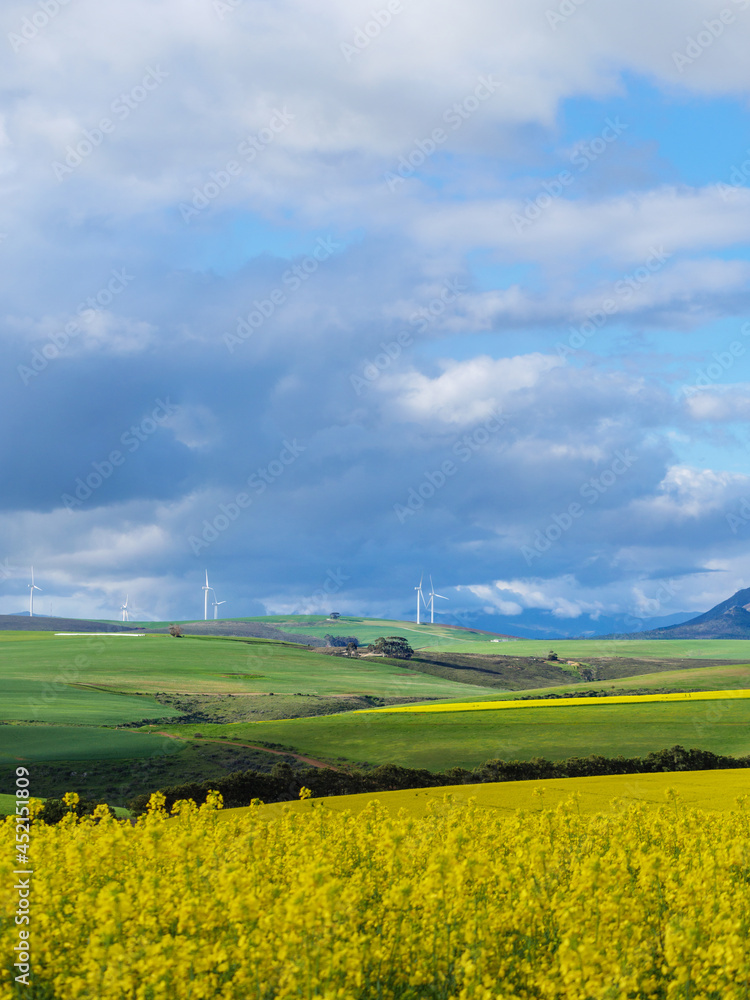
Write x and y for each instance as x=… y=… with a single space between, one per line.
x=216 y=605
x=420 y=597
x=431 y=605
x=124 y=609
x=32 y=588
x=206 y=589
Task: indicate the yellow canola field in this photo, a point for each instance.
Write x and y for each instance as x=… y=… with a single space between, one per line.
x=616 y=699
x=637 y=902
x=714 y=790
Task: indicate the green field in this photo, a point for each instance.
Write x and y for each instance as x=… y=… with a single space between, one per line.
x=80 y=683
x=19 y=744
x=158 y=663
x=467 y=739
x=42 y=701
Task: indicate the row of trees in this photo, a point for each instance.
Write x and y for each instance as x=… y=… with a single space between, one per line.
x=283 y=783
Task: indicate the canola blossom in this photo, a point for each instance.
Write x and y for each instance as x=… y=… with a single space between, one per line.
x=612 y=699
x=464 y=902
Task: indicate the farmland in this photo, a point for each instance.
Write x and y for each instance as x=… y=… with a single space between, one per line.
x=76 y=689
x=448 y=898
x=712 y=790
x=436 y=741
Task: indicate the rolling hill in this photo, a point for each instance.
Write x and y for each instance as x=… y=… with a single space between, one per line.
x=728 y=620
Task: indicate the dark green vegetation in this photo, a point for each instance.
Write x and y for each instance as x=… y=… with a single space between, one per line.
x=283 y=784
x=260 y=707
x=465 y=739
x=21 y=744
x=118 y=781
x=514 y=674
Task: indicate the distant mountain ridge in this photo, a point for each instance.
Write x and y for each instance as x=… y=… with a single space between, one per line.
x=728 y=620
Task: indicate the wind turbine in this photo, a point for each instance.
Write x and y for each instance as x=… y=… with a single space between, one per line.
x=216 y=605
x=420 y=596
x=124 y=609
x=205 y=598
x=32 y=588
x=431 y=605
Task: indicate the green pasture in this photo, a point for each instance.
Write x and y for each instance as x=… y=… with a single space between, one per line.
x=452 y=639
x=56 y=701
x=160 y=663
x=19 y=744
x=713 y=678
x=467 y=739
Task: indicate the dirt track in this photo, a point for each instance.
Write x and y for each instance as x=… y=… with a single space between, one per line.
x=252 y=746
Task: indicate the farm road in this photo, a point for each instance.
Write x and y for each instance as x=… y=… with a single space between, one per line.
x=252 y=746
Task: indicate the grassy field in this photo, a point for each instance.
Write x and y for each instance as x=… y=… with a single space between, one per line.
x=726 y=677
x=19 y=744
x=42 y=701
x=714 y=790
x=159 y=663
x=450 y=638
x=467 y=739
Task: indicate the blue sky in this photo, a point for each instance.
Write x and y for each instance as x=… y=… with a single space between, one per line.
x=468 y=299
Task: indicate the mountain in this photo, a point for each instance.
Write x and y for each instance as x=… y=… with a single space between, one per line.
x=728 y=620
x=535 y=623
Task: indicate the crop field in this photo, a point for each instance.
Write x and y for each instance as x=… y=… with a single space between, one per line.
x=713 y=790
x=77 y=685
x=467 y=739
x=515 y=704
x=453 y=639
x=19 y=743
x=456 y=900
x=157 y=663
x=709 y=678
x=37 y=700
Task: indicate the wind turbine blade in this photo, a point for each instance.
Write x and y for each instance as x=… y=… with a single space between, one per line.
x=444 y=598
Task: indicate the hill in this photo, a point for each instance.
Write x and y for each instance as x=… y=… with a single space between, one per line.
x=728 y=620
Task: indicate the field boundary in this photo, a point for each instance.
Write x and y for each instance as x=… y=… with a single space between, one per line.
x=625 y=699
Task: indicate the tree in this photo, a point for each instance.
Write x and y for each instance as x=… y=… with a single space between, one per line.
x=552 y=655
x=341 y=640
x=351 y=649
x=394 y=646
x=175 y=631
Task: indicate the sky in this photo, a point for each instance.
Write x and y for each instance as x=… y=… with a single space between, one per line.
x=322 y=296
